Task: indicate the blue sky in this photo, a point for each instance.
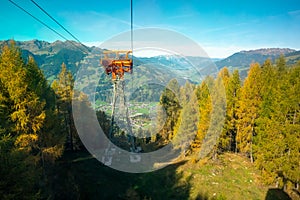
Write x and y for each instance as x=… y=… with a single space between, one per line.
x=219 y=27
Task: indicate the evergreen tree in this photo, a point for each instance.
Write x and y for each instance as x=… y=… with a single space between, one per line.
x=205 y=109
x=232 y=105
x=225 y=140
x=186 y=128
x=218 y=117
x=63 y=88
x=24 y=136
x=292 y=118
x=275 y=152
x=169 y=113
x=248 y=105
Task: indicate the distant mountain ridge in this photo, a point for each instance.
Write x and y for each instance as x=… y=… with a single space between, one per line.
x=50 y=56
x=245 y=58
x=270 y=51
x=39 y=47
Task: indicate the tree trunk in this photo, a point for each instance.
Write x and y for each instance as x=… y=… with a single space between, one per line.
x=70 y=136
x=251 y=141
x=236 y=145
x=251 y=152
x=294 y=119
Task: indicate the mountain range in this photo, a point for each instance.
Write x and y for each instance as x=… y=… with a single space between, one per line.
x=50 y=56
x=242 y=60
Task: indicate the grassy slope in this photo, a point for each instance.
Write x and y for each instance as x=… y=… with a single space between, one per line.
x=229 y=177
x=79 y=176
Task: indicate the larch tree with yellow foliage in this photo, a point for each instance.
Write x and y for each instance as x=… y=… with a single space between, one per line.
x=26 y=142
x=250 y=100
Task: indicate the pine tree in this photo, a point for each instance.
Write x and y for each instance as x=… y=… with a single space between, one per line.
x=186 y=128
x=63 y=88
x=248 y=105
x=51 y=139
x=218 y=117
x=292 y=152
x=225 y=139
x=276 y=149
x=232 y=106
x=269 y=142
x=205 y=109
x=12 y=76
x=169 y=113
x=24 y=108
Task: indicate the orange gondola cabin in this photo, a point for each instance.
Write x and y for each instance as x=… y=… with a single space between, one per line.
x=116 y=63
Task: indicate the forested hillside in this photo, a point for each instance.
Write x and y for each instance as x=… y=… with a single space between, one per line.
x=261 y=121
x=42 y=157
x=36 y=124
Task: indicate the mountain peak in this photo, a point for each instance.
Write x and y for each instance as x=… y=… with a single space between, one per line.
x=269 y=51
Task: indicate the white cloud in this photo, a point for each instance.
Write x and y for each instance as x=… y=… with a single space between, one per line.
x=150 y=52
x=91 y=44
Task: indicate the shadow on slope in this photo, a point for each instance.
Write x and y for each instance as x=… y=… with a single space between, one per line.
x=277 y=194
x=80 y=176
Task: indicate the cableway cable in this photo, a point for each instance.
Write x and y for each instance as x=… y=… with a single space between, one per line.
x=44 y=24
x=37 y=19
x=36 y=4
x=131 y=26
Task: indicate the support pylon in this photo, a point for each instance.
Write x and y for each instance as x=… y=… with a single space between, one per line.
x=118 y=93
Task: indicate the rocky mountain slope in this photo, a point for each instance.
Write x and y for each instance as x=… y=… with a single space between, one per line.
x=50 y=56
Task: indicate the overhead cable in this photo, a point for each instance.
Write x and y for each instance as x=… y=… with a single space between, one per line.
x=44 y=24
x=56 y=21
